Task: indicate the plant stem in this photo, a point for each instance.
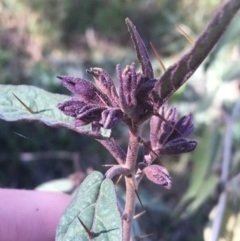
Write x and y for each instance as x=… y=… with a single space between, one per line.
x=129 y=209
x=132 y=151
x=116 y=151
x=130 y=194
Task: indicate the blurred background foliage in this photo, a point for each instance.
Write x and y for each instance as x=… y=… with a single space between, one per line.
x=42 y=39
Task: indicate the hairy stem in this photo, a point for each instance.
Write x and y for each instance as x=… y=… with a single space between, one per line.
x=177 y=74
x=116 y=170
x=116 y=151
x=132 y=151
x=129 y=209
x=130 y=194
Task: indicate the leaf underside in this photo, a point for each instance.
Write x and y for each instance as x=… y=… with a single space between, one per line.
x=42 y=105
x=95 y=204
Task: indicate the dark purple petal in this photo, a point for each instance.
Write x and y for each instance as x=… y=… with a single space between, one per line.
x=159 y=175
x=85 y=90
x=177 y=147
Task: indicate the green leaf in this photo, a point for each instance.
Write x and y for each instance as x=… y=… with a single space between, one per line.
x=95 y=204
x=41 y=103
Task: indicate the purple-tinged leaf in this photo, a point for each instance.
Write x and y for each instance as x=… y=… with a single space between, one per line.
x=159 y=175
x=141 y=50
x=176 y=75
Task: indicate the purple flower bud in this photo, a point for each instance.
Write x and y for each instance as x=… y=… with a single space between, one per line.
x=104 y=83
x=85 y=90
x=159 y=175
x=184 y=125
x=90 y=113
x=71 y=107
x=160 y=129
x=177 y=147
x=127 y=89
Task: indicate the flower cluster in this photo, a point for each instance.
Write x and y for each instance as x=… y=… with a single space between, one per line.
x=171 y=139
x=167 y=137
x=103 y=105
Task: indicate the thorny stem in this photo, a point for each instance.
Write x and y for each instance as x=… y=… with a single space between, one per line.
x=130 y=165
